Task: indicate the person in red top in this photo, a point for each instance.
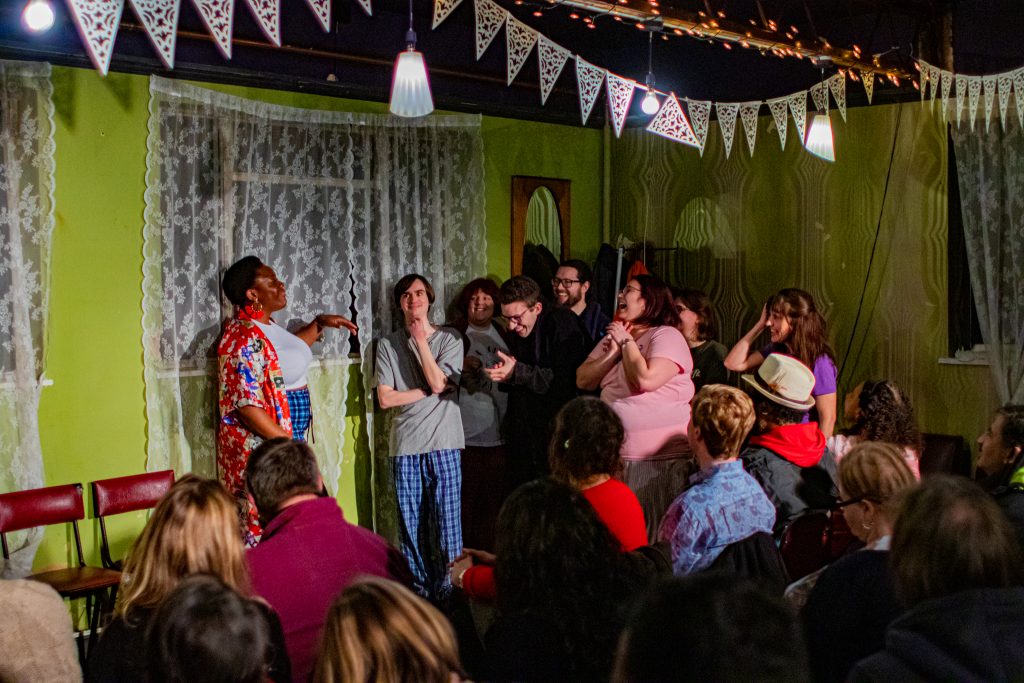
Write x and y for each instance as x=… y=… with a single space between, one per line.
x=583 y=453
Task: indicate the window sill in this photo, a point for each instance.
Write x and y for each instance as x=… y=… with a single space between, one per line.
x=977 y=362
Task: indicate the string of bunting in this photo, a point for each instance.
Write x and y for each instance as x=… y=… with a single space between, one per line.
x=970 y=90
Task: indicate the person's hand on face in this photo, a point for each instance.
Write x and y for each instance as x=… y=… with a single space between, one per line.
x=418 y=330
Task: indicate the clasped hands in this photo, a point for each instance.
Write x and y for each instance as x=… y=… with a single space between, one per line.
x=616 y=334
x=502 y=370
x=467 y=558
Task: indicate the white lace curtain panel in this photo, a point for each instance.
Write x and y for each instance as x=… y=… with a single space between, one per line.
x=26 y=226
x=341 y=205
x=990 y=172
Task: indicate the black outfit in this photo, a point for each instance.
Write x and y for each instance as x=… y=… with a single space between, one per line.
x=709 y=364
x=120 y=654
x=594 y=323
x=973 y=636
x=792 y=489
x=847 y=613
x=1010 y=499
x=543 y=380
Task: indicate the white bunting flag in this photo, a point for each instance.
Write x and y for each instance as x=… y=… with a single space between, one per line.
x=947 y=83
x=798 y=107
x=1018 y=87
x=519 y=40
x=620 y=94
x=700 y=115
x=748 y=115
x=727 y=123
x=779 y=108
x=367 y=7
x=922 y=68
x=219 y=17
x=589 y=80
x=837 y=84
x=961 y=93
x=1005 y=87
x=160 y=19
x=489 y=20
x=442 y=8
x=97 y=22
x=322 y=10
x=989 y=83
x=934 y=75
x=671 y=123
x=868 y=79
x=973 y=95
x=552 y=58
x=268 y=16
x=819 y=96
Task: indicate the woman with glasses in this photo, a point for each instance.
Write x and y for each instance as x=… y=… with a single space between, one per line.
x=644 y=369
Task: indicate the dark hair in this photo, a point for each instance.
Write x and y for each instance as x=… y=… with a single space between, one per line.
x=659 y=306
x=586 y=440
x=1013 y=427
x=807 y=339
x=700 y=303
x=886 y=415
x=403 y=285
x=520 y=288
x=279 y=469
x=711 y=627
x=583 y=272
x=951 y=536
x=239 y=279
x=481 y=284
x=559 y=561
x=771 y=412
x=204 y=631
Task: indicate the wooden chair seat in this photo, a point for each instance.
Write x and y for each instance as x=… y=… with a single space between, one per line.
x=77 y=582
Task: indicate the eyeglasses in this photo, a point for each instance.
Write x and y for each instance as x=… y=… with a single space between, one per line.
x=564 y=281
x=518 y=319
x=850 y=501
x=629 y=288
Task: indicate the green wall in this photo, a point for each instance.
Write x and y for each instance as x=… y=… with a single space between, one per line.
x=92 y=420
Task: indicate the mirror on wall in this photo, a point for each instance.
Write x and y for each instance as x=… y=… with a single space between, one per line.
x=541 y=218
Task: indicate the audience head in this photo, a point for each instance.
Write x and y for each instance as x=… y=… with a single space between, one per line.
x=193 y=530
x=794 y=320
x=571 y=282
x=521 y=304
x=239 y=278
x=781 y=389
x=697 y=319
x=278 y=470
x=413 y=295
x=1001 y=447
x=720 y=418
x=879 y=411
x=646 y=300
x=950 y=536
x=710 y=628
x=586 y=441
x=205 y=632
x=873 y=476
x=477 y=302
x=378 y=631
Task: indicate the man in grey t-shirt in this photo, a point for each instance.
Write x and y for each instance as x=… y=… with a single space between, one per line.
x=417 y=375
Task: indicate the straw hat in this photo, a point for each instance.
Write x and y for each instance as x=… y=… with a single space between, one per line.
x=784 y=380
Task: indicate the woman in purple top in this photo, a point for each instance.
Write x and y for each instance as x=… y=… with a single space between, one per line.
x=797 y=329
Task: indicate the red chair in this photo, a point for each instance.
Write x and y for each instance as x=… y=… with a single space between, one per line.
x=61 y=505
x=126 y=494
x=815 y=539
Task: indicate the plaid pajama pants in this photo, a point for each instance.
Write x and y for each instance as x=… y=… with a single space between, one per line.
x=302 y=414
x=428 y=491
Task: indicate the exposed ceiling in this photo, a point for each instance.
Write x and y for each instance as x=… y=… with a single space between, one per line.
x=355 y=58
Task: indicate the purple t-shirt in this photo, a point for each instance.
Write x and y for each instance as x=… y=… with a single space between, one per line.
x=825 y=374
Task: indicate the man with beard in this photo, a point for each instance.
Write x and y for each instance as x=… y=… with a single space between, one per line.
x=571 y=284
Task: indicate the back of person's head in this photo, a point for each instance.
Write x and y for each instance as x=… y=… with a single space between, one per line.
x=205 y=632
x=950 y=536
x=193 y=530
x=378 y=631
x=659 y=306
x=710 y=628
x=724 y=416
x=586 y=441
x=807 y=339
x=885 y=414
x=876 y=472
x=520 y=288
x=769 y=414
x=700 y=303
x=239 y=279
x=279 y=469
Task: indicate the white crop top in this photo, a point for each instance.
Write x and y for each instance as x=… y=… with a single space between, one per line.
x=293 y=354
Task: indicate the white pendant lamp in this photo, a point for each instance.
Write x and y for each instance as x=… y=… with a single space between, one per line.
x=38 y=16
x=650 y=104
x=819 y=138
x=410 y=85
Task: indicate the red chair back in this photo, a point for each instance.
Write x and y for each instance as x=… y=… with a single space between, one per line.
x=803 y=544
x=128 y=494
x=40 y=507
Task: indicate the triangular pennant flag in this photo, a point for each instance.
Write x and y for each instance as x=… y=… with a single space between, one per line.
x=819 y=96
x=1005 y=87
x=961 y=93
x=160 y=20
x=442 y=8
x=989 y=83
x=700 y=114
x=671 y=123
x=551 y=57
x=934 y=76
x=367 y=7
x=973 y=95
x=1018 y=87
x=519 y=39
x=219 y=17
x=837 y=84
x=322 y=10
x=868 y=79
x=922 y=67
x=748 y=114
x=97 y=22
x=620 y=94
x=727 y=122
x=947 y=83
x=798 y=107
x=268 y=16
x=489 y=20
x=589 y=80
x=779 y=108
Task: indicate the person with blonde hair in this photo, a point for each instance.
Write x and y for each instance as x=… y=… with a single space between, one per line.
x=381 y=632
x=873 y=477
x=193 y=530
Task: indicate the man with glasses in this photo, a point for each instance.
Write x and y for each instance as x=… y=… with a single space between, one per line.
x=539 y=373
x=571 y=284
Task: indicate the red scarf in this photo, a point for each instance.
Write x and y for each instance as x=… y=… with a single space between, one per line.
x=801 y=444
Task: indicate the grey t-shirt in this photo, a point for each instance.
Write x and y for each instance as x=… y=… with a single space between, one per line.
x=434 y=422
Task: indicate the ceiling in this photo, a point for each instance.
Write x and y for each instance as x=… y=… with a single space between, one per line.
x=354 y=59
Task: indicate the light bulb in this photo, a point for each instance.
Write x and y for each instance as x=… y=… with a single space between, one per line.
x=38 y=15
x=410 y=86
x=650 y=104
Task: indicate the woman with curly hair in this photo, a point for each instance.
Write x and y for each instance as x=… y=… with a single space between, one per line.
x=797 y=329
x=878 y=410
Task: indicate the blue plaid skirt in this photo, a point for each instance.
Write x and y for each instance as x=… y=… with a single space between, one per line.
x=302 y=415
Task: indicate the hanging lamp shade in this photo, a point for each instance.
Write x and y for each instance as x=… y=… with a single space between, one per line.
x=819 y=138
x=410 y=86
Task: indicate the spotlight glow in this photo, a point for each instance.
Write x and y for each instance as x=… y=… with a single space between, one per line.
x=38 y=16
x=650 y=104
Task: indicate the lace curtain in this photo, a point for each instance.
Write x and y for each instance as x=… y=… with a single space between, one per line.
x=341 y=205
x=990 y=171
x=26 y=225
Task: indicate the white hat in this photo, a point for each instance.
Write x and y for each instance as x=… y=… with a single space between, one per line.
x=784 y=380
